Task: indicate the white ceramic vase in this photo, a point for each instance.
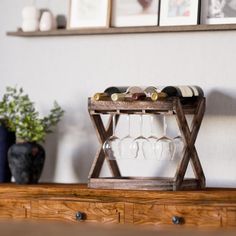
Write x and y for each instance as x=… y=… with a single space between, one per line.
x=47 y=22
x=30 y=19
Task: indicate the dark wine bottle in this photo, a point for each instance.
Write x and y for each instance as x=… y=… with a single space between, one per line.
x=197 y=91
x=106 y=95
x=178 y=91
x=111 y=90
x=183 y=91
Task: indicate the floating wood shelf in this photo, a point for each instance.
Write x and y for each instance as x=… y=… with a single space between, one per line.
x=125 y=30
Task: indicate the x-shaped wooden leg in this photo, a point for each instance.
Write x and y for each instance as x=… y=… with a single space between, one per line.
x=103 y=133
x=190 y=152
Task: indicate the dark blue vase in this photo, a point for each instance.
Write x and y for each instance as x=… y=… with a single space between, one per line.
x=7 y=139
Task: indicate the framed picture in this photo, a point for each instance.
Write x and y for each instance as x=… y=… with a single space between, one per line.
x=134 y=13
x=179 y=12
x=89 y=13
x=219 y=12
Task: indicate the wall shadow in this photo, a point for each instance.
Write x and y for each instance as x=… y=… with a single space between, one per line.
x=51 y=148
x=84 y=154
x=219 y=103
x=72 y=129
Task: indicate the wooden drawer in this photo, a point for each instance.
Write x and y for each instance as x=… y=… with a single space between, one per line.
x=78 y=211
x=14 y=209
x=177 y=215
x=229 y=217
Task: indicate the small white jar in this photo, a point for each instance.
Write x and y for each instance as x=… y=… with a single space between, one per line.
x=47 y=21
x=30 y=19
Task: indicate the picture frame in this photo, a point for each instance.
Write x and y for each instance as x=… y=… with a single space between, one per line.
x=179 y=12
x=219 y=12
x=89 y=14
x=131 y=13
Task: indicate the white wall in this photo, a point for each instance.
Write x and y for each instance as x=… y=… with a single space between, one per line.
x=69 y=69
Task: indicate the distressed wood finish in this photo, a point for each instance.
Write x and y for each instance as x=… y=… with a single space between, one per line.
x=229 y=217
x=126 y=30
x=211 y=208
x=190 y=137
x=191 y=216
x=138 y=107
x=173 y=106
x=14 y=209
x=67 y=210
x=141 y=183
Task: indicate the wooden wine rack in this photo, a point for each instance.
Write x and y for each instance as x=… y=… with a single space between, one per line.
x=171 y=106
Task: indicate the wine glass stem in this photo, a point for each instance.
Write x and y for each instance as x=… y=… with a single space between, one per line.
x=165 y=125
x=114 y=124
x=141 y=125
x=128 y=125
x=151 y=124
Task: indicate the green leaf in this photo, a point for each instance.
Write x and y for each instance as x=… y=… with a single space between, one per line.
x=20 y=116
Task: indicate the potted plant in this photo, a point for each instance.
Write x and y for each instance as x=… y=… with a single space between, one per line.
x=26 y=157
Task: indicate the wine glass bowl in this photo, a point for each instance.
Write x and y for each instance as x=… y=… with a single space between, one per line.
x=152 y=139
x=165 y=146
x=111 y=145
x=127 y=148
x=179 y=146
x=141 y=147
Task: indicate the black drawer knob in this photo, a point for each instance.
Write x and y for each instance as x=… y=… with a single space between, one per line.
x=79 y=216
x=177 y=220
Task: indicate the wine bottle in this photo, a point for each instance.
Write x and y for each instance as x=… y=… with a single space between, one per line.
x=106 y=95
x=122 y=91
x=101 y=97
x=178 y=91
x=158 y=96
x=154 y=93
x=127 y=96
x=197 y=91
x=183 y=91
x=149 y=90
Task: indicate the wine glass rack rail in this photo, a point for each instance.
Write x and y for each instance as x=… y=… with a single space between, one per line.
x=171 y=106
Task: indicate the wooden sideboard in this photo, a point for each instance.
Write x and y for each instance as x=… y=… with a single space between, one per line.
x=214 y=208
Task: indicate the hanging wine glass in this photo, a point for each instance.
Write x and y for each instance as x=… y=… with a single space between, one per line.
x=152 y=139
x=127 y=148
x=111 y=145
x=141 y=147
x=179 y=146
x=165 y=146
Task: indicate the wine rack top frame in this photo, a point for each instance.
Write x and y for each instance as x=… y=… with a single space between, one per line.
x=125 y=30
x=167 y=106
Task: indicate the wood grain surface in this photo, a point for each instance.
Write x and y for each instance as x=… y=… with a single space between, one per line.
x=66 y=211
x=211 y=208
x=81 y=192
